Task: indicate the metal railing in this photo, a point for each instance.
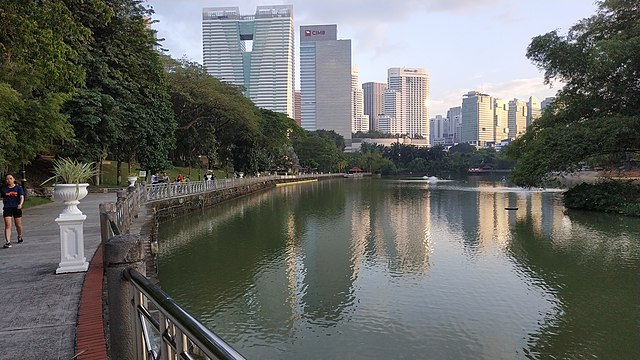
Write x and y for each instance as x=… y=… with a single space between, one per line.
x=116 y=218
x=167 y=190
x=169 y=332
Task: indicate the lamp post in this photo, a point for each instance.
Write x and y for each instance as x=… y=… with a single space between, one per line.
x=23 y=172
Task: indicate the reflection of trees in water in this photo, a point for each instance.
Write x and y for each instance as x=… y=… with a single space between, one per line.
x=594 y=274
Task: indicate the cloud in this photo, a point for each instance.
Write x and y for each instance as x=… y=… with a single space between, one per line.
x=368 y=11
x=521 y=89
x=367 y=20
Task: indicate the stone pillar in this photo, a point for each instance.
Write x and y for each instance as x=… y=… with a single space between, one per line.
x=122 y=252
x=72 y=257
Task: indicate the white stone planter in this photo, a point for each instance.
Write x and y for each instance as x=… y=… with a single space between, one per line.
x=71 y=194
x=71 y=221
x=132 y=180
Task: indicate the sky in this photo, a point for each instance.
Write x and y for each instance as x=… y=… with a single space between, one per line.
x=465 y=45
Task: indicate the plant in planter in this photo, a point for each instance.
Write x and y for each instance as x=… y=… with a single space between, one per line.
x=70 y=182
x=70 y=185
x=132 y=179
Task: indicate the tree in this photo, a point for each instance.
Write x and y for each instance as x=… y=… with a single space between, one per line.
x=331 y=135
x=39 y=69
x=317 y=151
x=124 y=108
x=276 y=130
x=598 y=110
x=216 y=120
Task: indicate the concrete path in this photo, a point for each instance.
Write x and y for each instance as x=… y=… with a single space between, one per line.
x=39 y=309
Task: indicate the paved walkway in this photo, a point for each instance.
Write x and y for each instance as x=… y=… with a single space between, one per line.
x=39 y=309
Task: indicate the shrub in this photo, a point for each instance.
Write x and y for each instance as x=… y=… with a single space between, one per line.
x=609 y=196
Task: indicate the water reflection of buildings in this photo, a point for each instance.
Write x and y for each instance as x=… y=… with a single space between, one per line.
x=406 y=230
x=321 y=264
x=485 y=224
x=538 y=207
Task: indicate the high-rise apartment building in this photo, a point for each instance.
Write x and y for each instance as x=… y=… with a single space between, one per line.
x=413 y=83
x=266 y=70
x=373 y=102
x=454 y=115
x=393 y=120
x=437 y=130
x=359 y=121
x=546 y=102
x=501 y=119
x=325 y=80
x=478 y=126
x=534 y=110
x=296 y=107
x=517 y=118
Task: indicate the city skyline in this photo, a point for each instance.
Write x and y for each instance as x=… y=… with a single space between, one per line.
x=465 y=45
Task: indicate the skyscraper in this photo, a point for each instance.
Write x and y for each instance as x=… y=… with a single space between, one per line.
x=546 y=102
x=296 y=107
x=437 y=130
x=478 y=126
x=501 y=119
x=359 y=121
x=325 y=80
x=517 y=118
x=255 y=52
x=392 y=122
x=534 y=110
x=373 y=93
x=454 y=115
x=413 y=83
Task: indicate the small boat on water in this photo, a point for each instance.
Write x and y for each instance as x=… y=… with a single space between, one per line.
x=511 y=208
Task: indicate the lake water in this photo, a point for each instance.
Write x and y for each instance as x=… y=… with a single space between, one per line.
x=393 y=269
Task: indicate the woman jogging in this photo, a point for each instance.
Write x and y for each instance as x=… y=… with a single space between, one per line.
x=12 y=199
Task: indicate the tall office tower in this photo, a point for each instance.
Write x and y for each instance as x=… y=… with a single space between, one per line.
x=437 y=130
x=394 y=113
x=501 y=119
x=296 y=107
x=546 y=102
x=325 y=80
x=517 y=118
x=478 y=127
x=359 y=121
x=414 y=85
x=266 y=71
x=534 y=110
x=373 y=92
x=454 y=115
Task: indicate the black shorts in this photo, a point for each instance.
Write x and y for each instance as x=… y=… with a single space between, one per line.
x=12 y=212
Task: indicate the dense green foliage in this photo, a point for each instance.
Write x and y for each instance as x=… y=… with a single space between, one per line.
x=610 y=196
x=320 y=150
x=124 y=110
x=409 y=159
x=215 y=120
x=597 y=112
x=40 y=42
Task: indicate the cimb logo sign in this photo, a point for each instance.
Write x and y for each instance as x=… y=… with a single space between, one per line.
x=313 y=32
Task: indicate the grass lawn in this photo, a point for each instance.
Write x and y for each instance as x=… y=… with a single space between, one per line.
x=40 y=169
x=32 y=201
x=109 y=173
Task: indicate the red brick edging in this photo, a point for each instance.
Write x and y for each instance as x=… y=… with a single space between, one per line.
x=91 y=343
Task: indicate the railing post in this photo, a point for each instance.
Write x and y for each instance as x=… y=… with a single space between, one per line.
x=121 y=252
x=107 y=213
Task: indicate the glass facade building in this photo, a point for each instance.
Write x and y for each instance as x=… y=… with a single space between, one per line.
x=255 y=52
x=325 y=80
